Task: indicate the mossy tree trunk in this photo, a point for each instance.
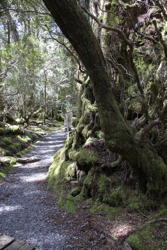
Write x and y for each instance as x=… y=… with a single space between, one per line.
x=120 y=138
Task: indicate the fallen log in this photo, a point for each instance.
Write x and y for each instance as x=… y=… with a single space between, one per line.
x=28 y=159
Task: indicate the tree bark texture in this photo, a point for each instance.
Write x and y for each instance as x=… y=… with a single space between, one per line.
x=120 y=138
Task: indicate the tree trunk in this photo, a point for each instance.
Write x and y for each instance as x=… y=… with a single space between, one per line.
x=120 y=138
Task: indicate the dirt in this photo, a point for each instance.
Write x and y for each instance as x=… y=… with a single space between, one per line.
x=28 y=210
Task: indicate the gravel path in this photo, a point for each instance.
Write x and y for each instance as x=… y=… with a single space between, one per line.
x=26 y=206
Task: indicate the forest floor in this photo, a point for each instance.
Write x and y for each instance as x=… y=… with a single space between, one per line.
x=28 y=210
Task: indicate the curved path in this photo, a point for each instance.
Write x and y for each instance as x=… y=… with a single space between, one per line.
x=26 y=206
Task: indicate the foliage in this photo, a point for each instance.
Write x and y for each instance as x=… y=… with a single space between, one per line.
x=35 y=72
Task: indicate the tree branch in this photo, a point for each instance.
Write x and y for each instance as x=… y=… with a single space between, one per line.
x=104 y=26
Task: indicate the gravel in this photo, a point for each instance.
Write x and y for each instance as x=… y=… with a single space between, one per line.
x=26 y=205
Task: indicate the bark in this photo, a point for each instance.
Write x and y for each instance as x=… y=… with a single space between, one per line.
x=120 y=138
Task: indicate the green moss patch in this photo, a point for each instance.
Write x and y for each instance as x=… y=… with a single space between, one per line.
x=97 y=207
x=13 y=143
x=161 y=213
x=84 y=157
x=151 y=237
x=70 y=203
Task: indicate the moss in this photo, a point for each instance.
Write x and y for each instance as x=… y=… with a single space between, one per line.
x=2 y=131
x=98 y=207
x=162 y=212
x=8 y=160
x=68 y=203
x=24 y=139
x=86 y=188
x=117 y=197
x=87 y=106
x=14 y=143
x=72 y=155
x=14 y=148
x=85 y=131
x=56 y=176
x=100 y=134
x=103 y=188
x=139 y=202
x=6 y=141
x=25 y=151
x=70 y=172
x=60 y=173
x=2 y=151
x=89 y=141
x=151 y=237
x=85 y=157
x=75 y=191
